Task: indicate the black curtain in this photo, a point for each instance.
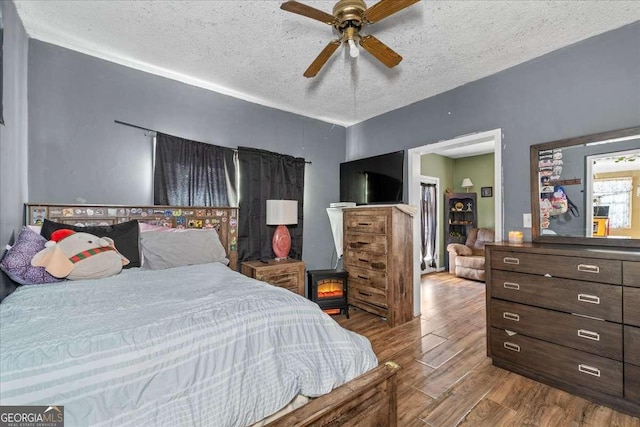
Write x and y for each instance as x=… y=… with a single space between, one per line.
x=190 y=173
x=428 y=225
x=263 y=176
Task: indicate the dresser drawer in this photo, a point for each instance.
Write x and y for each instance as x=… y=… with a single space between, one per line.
x=632 y=382
x=364 y=277
x=631 y=306
x=558 y=362
x=367 y=294
x=376 y=243
x=365 y=260
x=590 y=269
x=572 y=296
x=290 y=281
x=367 y=306
x=594 y=336
x=632 y=345
x=631 y=273
x=354 y=222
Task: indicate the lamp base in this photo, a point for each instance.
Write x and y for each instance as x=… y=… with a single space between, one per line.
x=281 y=242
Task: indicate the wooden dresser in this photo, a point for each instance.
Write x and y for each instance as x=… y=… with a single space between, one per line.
x=568 y=316
x=378 y=257
x=288 y=273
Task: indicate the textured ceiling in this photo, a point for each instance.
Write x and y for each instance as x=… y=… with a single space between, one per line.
x=255 y=51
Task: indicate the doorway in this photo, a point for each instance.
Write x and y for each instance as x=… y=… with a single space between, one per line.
x=609 y=194
x=493 y=137
x=429 y=213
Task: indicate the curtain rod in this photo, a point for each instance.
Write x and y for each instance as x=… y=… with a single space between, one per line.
x=151 y=130
x=134 y=126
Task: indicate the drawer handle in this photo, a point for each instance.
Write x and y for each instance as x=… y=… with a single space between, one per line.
x=357 y=245
x=363 y=260
x=511 y=346
x=514 y=286
x=510 y=260
x=362 y=277
x=511 y=316
x=590 y=335
x=586 y=369
x=586 y=268
x=591 y=299
x=364 y=293
x=364 y=224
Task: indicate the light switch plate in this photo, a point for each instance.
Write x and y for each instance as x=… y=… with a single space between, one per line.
x=526 y=220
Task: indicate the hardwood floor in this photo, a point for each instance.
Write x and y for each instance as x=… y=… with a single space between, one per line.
x=446 y=377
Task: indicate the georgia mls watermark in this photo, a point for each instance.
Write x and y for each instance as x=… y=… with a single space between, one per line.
x=31 y=416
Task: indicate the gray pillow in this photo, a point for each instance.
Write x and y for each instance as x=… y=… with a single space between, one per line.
x=162 y=249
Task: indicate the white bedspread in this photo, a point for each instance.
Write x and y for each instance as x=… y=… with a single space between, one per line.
x=188 y=346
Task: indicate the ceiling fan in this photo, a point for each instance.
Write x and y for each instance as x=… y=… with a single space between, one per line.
x=349 y=18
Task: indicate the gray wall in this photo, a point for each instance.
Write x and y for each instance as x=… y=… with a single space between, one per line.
x=78 y=154
x=13 y=135
x=592 y=86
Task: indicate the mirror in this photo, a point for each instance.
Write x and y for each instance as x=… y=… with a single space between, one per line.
x=586 y=190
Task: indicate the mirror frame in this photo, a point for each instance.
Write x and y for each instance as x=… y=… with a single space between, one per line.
x=535 y=194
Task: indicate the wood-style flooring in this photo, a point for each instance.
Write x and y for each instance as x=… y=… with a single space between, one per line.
x=446 y=377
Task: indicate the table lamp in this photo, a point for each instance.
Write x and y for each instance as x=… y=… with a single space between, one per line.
x=466 y=183
x=282 y=213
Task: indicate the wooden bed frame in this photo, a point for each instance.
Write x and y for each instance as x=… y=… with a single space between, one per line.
x=370 y=399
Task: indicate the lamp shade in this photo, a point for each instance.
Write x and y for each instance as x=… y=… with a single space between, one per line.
x=466 y=183
x=282 y=212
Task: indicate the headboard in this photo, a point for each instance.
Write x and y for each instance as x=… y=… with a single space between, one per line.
x=223 y=220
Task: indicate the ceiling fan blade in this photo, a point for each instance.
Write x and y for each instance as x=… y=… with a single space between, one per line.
x=308 y=11
x=324 y=56
x=381 y=51
x=385 y=8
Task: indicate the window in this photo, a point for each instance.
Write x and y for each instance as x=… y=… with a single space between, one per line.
x=615 y=193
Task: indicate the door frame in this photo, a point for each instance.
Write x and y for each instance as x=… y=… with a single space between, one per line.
x=413 y=173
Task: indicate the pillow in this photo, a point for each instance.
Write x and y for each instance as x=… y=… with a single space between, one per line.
x=126 y=236
x=16 y=263
x=166 y=250
x=36 y=228
x=145 y=227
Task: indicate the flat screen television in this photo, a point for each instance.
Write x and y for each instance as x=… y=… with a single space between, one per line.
x=373 y=180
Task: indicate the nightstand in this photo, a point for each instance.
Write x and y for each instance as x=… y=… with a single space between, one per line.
x=288 y=273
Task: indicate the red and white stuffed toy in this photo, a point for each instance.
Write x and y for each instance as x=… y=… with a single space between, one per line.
x=77 y=256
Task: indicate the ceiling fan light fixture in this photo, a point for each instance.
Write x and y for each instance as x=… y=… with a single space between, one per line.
x=354 y=52
x=349 y=18
x=350 y=34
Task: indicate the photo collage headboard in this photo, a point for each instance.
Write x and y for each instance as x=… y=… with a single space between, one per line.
x=223 y=220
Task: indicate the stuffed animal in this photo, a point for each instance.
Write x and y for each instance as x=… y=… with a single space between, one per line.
x=79 y=256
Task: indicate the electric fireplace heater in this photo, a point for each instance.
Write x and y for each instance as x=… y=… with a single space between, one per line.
x=328 y=289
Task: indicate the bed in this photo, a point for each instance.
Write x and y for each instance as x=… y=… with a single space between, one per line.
x=187 y=345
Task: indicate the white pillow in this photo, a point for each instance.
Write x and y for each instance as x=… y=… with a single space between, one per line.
x=165 y=250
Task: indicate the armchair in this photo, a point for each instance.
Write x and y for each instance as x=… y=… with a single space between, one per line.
x=468 y=260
